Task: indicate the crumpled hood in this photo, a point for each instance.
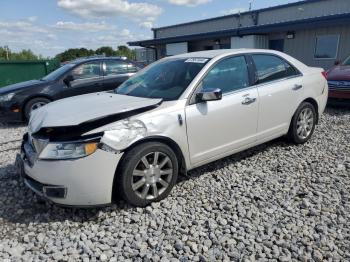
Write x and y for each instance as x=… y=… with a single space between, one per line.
x=340 y=72
x=21 y=85
x=76 y=110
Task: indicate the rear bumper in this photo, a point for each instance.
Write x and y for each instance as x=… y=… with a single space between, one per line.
x=82 y=182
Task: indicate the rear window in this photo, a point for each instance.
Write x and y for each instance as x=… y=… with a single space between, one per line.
x=270 y=68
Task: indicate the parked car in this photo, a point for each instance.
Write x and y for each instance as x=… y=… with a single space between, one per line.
x=339 y=80
x=174 y=115
x=86 y=75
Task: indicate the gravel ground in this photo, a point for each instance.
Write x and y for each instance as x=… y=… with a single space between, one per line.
x=276 y=201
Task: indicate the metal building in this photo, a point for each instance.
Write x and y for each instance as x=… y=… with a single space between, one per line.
x=316 y=32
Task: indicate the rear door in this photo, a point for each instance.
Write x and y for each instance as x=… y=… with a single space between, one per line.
x=280 y=86
x=87 y=78
x=115 y=72
x=215 y=128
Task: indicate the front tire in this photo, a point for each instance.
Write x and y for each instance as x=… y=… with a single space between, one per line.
x=147 y=173
x=303 y=123
x=34 y=104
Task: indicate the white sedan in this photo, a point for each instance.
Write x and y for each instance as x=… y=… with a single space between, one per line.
x=176 y=114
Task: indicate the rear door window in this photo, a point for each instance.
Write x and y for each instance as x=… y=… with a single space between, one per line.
x=117 y=67
x=87 y=70
x=270 y=68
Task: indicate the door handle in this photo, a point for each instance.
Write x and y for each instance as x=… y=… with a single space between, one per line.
x=297 y=87
x=248 y=101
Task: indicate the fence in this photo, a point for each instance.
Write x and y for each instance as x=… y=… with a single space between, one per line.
x=12 y=72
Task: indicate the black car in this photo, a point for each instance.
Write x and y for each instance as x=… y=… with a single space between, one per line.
x=78 y=77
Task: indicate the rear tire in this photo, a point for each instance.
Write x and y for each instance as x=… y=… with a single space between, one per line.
x=147 y=173
x=33 y=104
x=303 y=123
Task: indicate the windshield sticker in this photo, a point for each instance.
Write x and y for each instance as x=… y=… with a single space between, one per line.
x=197 y=60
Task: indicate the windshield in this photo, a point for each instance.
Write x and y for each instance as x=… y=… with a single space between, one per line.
x=58 y=72
x=166 y=79
x=347 y=61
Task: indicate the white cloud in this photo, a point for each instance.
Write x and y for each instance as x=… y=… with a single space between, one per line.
x=49 y=40
x=234 y=11
x=87 y=27
x=190 y=3
x=21 y=26
x=32 y=18
x=146 y=24
x=109 y=8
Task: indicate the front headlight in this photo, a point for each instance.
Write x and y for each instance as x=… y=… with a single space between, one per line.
x=61 y=151
x=7 y=97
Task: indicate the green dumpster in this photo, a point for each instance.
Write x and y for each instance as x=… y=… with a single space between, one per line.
x=12 y=72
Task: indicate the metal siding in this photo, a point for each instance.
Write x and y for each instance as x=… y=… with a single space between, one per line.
x=305 y=10
x=283 y=14
x=302 y=46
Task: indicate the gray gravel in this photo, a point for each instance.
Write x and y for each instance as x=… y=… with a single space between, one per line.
x=274 y=202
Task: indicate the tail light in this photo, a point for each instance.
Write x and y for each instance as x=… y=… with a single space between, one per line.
x=324 y=73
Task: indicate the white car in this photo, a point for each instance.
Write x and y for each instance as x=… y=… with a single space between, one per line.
x=179 y=113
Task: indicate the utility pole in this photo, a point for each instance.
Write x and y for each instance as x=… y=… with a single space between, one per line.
x=250 y=5
x=7 y=52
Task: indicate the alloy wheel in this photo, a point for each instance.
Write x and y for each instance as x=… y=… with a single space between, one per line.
x=305 y=123
x=37 y=106
x=152 y=175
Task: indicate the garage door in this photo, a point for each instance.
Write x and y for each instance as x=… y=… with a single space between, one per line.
x=177 y=48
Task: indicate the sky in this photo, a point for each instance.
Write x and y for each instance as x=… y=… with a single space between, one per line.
x=48 y=27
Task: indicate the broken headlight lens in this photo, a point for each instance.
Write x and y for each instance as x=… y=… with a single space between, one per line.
x=62 y=151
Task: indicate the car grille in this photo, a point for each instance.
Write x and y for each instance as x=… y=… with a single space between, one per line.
x=343 y=85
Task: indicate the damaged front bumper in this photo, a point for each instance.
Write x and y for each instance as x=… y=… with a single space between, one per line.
x=86 y=181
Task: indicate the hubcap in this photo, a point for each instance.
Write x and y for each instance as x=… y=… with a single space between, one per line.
x=305 y=123
x=152 y=175
x=37 y=106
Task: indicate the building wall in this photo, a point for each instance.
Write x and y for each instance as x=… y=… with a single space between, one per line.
x=250 y=41
x=145 y=55
x=300 y=11
x=302 y=46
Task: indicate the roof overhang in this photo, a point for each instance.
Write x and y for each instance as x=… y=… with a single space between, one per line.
x=308 y=23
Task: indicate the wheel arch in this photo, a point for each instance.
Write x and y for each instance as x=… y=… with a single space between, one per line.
x=25 y=102
x=161 y=139
x=315 y=104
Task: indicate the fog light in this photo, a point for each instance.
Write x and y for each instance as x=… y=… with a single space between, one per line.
x=54 y=191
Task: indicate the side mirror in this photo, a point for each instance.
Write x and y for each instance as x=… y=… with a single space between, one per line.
x=209 y=95
x=68 y=79
x=337 y=62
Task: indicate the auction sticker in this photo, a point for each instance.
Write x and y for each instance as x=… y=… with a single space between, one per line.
x=197 y=60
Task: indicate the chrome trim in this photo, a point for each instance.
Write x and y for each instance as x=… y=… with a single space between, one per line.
x=278 y=80
x=248 y=101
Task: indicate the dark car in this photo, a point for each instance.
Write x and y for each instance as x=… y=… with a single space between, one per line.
x=78 y=77
x=339 y=80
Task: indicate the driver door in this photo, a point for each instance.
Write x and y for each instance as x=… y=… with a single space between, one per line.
x=87 y=78
x=217 y=128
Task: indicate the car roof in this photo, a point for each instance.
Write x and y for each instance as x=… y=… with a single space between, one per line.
x=220 y=52
x=96 y=58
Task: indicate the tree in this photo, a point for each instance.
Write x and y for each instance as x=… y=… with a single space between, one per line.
x=25 y=54
x=105 y=50
x=74 y=53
